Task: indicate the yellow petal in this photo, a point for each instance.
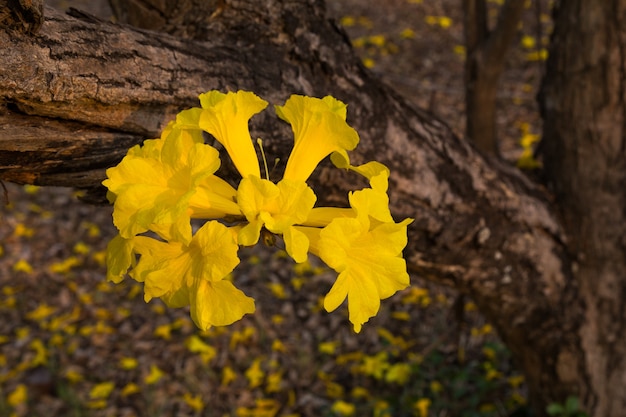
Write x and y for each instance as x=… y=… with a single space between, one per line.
x=218 y=303
x=119 y=258
x=226 y=117
x=374 y=201
x=320 y=128
x=368 y=170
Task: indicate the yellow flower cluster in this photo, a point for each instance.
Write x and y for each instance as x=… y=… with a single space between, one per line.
x=159 y=187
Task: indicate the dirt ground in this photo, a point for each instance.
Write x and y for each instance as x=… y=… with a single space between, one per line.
x=76 y=345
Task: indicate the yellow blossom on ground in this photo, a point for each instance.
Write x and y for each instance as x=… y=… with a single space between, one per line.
x=154 y=376
x=255 y=374
x=398 y=373
x=460 y=50
x=41 y=353
x=228 y=376
x=421 y=407
x=164 y=331
x=401 y=315
x=328 y=347
x=31 y=189
x=436 y=387
x=197 y=345
x=42 y=312
x=407 y=33
x=347 y=21
x=274 y=381
x=194 y=401
x=18 y=396
x=129 y=389
x=343 y=408
x=23 y=231
x=442 y=21
x=73 y=376
x=278 y=346
x=101 y=390
x=22 y=266
x=376 y=365
x=360 y=392
x=128 y=363
x=64 y=266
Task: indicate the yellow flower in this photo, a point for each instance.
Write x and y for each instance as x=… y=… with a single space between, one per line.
x=347 y=245
x=320 y=128
x=398 y=373
x=343 y=408
x=194 y=401
x=128 y=363
x=154 y=376
x=23 y=266
x=129 y=389
x=278 y=207
x=194 y=275
x=101 y=391
x=197 y=345
x=153 y=185
x=226 y=116
x=18 y=396
x=160 y=186
x=421 y=406
x=228 y=376
x=255 y=374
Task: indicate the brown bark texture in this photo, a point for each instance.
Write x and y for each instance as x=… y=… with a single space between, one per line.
x=584 y=111
x=77 y=93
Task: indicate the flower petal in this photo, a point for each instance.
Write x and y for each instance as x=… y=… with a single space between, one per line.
x=218 y=303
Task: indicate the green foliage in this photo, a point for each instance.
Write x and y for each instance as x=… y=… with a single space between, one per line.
x=571 y=408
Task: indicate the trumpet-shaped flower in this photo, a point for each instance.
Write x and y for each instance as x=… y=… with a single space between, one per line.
x=194 y=275
x=278 y=207
x=369 y=263
x=320 y=128
x=366 y=251
x=225 y=116
x=154 y=183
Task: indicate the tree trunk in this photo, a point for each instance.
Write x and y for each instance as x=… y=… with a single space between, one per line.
x=486 y=53
x=87 y=88
x=584 y=110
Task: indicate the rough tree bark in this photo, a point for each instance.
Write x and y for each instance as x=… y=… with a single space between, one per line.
x=76 y=94
x=584 y=96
